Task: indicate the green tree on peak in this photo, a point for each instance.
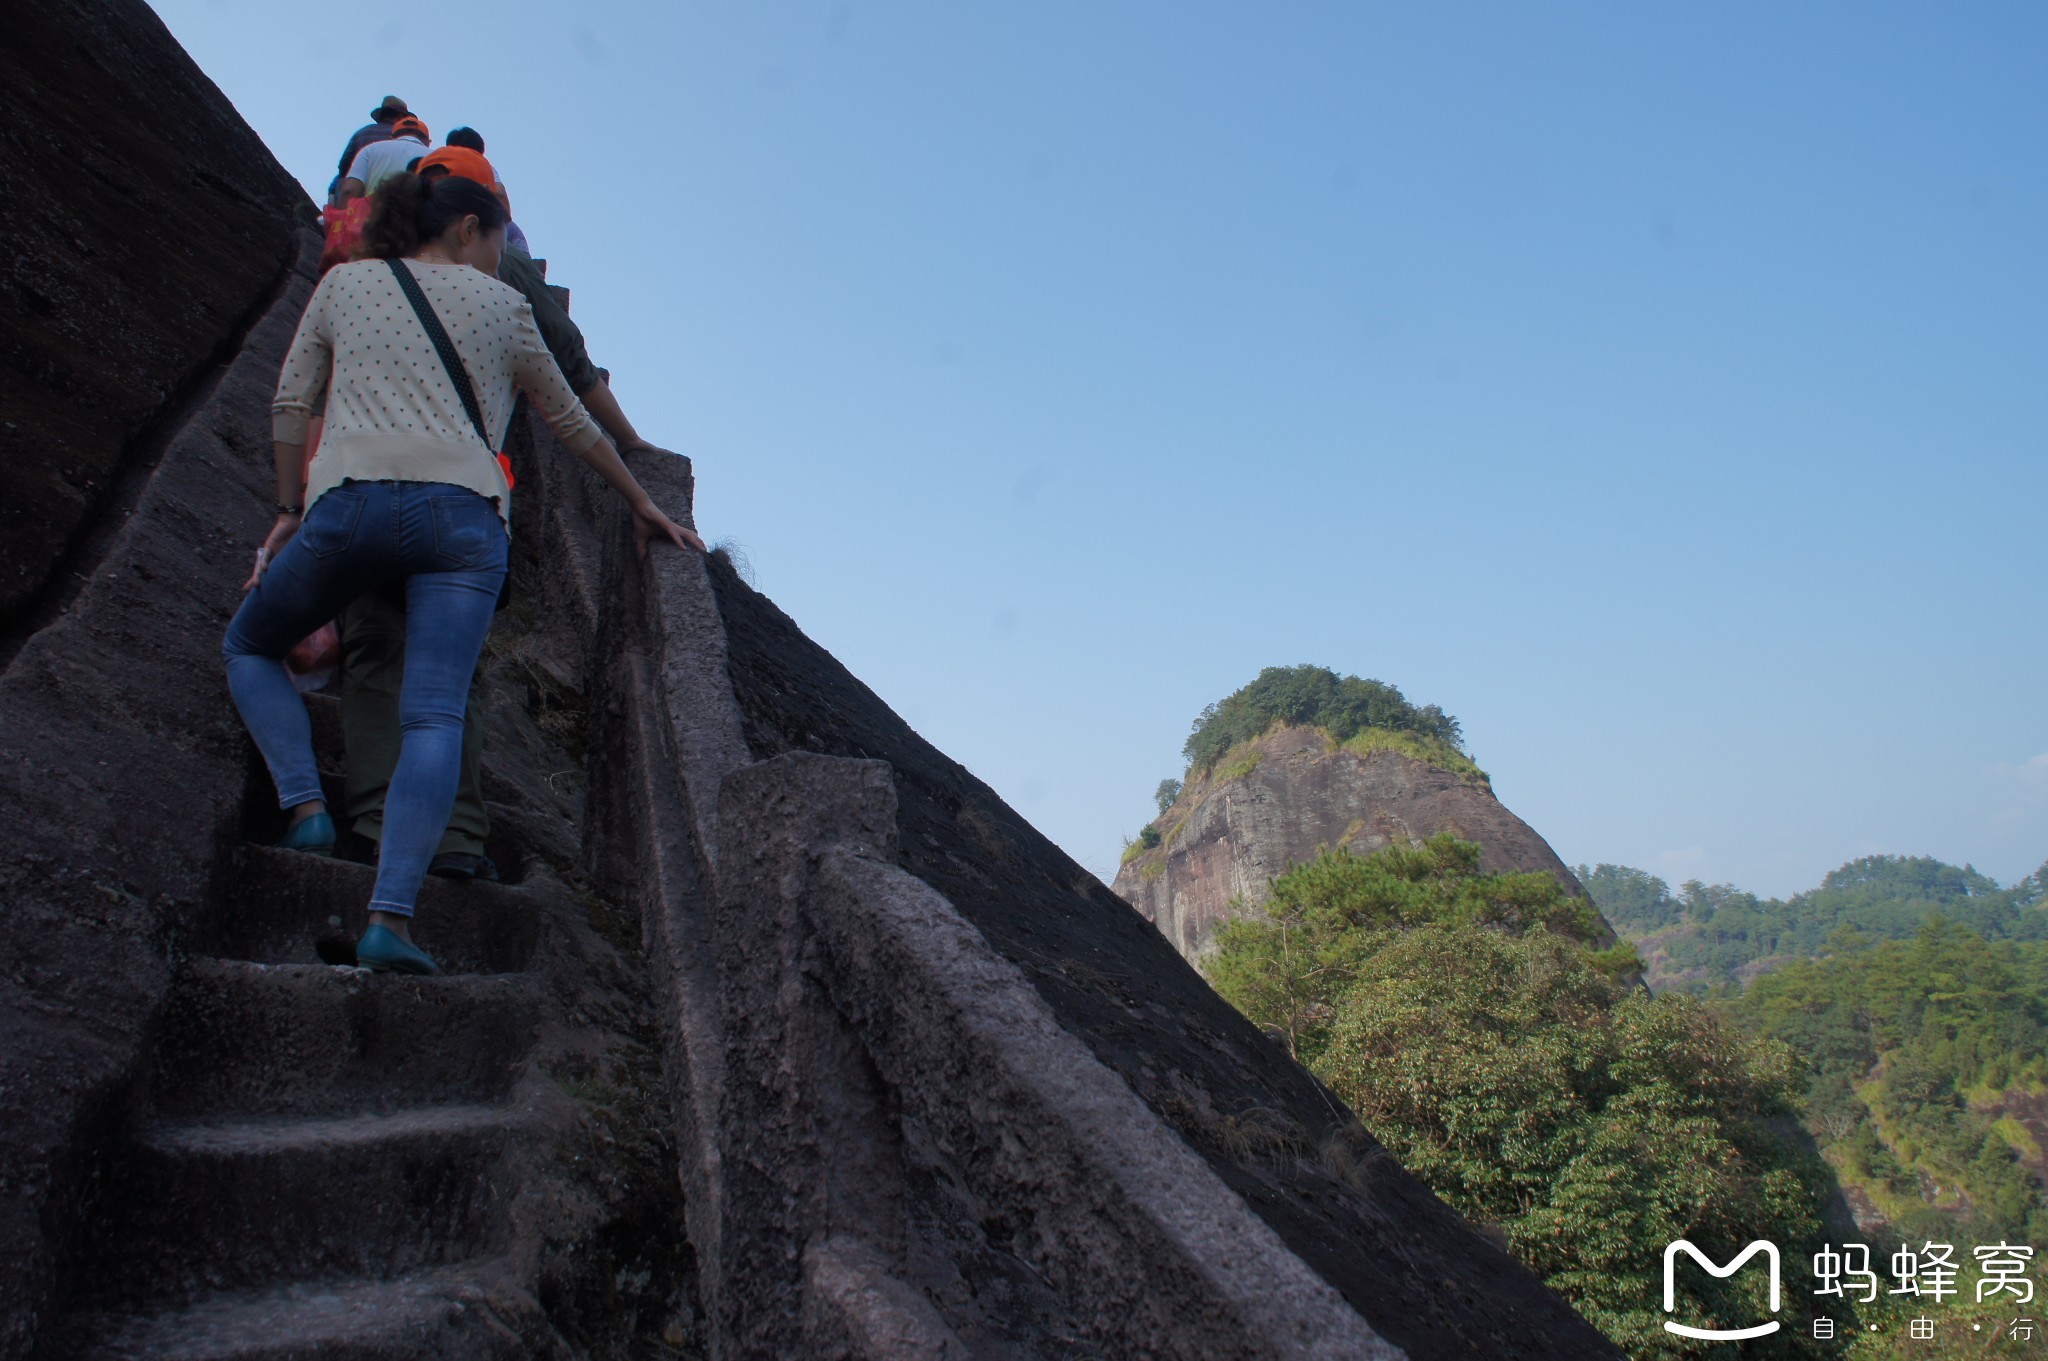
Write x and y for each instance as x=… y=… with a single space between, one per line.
x=1311 y=696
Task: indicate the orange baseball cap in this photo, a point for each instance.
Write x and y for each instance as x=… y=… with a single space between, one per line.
x=459 y=160
x=411 y=124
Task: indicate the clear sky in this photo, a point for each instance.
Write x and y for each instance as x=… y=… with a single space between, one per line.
x=1658 y=388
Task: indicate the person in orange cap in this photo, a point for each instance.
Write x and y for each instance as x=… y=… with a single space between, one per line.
x=460 y=160
x=379 y=161
x=474 y=141
x=562 y=336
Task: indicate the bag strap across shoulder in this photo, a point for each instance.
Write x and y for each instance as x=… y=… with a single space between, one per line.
x=458 y=373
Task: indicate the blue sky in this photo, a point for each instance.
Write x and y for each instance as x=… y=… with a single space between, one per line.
x=1656 y=388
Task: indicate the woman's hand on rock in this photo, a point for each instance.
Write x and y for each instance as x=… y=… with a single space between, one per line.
x=273 y=543
x=650 y=524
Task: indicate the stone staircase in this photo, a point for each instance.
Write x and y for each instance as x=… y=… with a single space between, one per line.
x=325 y=1162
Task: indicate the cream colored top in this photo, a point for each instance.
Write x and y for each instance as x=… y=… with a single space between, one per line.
x=392 y=412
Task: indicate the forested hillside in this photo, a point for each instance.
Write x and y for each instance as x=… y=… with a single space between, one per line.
x=1477 y=1029
x=1876 y=1048
x=1707 y=935
x=1914 y=996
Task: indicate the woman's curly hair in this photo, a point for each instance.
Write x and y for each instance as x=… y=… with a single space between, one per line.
x=407 y=210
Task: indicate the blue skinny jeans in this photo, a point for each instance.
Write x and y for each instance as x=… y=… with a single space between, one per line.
x=448 y=546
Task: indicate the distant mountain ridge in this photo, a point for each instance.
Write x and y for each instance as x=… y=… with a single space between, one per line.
x=1707 y=935
x=1915 y=994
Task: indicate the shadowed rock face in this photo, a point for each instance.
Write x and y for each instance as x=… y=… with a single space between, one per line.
x=145 y=224
x=1226 y=839
x=213 y=1145
x=148 y=235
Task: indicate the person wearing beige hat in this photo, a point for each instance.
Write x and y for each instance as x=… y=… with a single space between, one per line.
x=377 y=130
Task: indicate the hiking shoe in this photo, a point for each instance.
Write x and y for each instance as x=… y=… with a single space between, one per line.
x=463 y=865
x=384 y=951
x=314 y=834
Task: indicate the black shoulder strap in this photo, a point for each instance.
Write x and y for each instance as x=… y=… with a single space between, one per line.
x=458 y=373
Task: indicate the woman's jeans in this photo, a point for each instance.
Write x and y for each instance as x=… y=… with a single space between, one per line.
x=448 y=546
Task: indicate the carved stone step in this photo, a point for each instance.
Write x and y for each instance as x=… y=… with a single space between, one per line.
x=242 y=1038
x=450 y=1313
x=203 y=1206
x=277 y=903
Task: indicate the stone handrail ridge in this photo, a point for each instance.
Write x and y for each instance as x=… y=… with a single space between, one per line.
x=815 y=987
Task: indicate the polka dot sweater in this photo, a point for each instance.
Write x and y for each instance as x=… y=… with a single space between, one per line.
x=392 y=411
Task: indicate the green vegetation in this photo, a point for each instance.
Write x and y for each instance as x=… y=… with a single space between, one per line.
x=1911 y=1048
x=1712 y=934
x=1915 y=994
x=1362 y=716
x=1898 y=1012
x=1470 y=1022
x=1236 y=764
x=1431 y=751
x=1310 y=696
x=1148 y=837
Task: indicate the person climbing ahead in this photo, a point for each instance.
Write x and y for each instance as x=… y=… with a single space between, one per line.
x=469 y=139
x=378 y=129
x=406 y=489
x=373 y=628
x=564 y=338
x=381 y=161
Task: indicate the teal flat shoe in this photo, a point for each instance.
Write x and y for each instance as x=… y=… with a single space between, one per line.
x=383 y=951
x=315 y=834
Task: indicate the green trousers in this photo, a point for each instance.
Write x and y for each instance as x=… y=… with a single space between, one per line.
x=372 y=676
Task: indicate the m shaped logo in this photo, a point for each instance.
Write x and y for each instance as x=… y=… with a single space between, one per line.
x=1671 y=1251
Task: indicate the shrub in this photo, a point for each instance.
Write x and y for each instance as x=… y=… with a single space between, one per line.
x=1311 y=696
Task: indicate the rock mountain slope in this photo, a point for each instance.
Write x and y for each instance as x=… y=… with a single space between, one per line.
x=786 y=1038
x=144 y=227
x=1275 y=802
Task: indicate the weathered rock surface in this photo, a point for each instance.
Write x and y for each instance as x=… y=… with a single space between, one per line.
x=1228 y=836
x=145 y=227
x=786 y=1037
x=1264 y=1128
x=212 y=1145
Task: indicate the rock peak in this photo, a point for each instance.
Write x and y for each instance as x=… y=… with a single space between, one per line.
x=1271 y=803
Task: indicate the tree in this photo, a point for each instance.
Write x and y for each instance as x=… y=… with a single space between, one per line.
x=1912 y=1048
x=1469 y=1021
x=1635 y=901
x=1709 y=934
x=1168 y=791
x=1311 y=696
